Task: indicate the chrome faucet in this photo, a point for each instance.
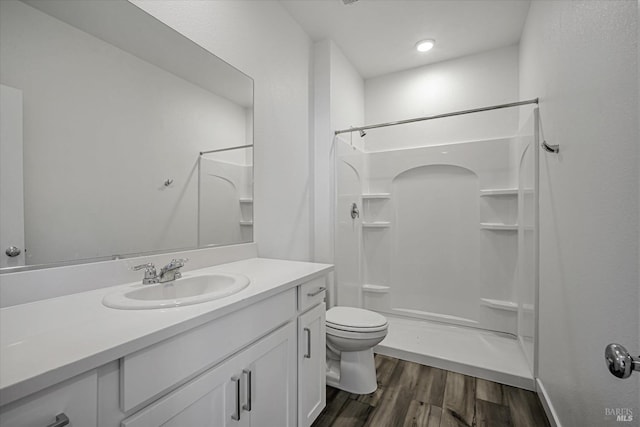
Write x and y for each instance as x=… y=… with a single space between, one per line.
x=150 y=275
x=171 y=271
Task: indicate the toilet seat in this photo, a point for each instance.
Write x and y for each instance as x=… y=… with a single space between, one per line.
x=357 y=335
x=355 y=320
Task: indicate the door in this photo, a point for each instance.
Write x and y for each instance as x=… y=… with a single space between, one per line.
x=11 y=186
x=311 y=365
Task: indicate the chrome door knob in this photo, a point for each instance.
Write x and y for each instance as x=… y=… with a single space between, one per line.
x=13 y=251
x=620 y=362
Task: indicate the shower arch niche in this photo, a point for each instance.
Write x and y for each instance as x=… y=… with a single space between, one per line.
x=434 y=264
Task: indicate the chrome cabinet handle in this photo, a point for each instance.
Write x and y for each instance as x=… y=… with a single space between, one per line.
x=61 y=421
x=236 y=416
x=620 y=363
x=319 y=291
x=308 y=332
x=247 y=406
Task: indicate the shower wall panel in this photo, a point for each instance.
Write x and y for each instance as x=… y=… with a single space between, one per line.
x=439 y=235
x=349 y=166
x=527 y=283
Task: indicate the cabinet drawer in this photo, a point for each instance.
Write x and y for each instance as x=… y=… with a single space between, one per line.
x=76 y=398
x=312 y=293
x=159 y=368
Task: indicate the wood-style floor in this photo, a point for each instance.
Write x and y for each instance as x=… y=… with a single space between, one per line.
x=414 y=395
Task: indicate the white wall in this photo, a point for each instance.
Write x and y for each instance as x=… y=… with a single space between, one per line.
x=338 y=103
x=473 y=81
x=347 y=93
x=103 y=130
x=581 y=59
x=261 y=39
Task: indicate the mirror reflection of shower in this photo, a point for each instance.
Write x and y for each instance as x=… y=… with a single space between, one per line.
x=225 y=196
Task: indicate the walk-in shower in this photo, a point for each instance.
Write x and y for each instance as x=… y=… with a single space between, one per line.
x=444 y=246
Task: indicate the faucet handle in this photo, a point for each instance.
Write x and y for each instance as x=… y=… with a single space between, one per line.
x=147 y=266
x=150 y=274
x=179 y=261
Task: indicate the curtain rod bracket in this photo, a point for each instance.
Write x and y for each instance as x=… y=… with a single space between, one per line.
x=550 y=148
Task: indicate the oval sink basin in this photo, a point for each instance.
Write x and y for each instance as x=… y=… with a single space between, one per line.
x=187 y=290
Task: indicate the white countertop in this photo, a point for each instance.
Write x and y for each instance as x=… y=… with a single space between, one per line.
x=45 y=342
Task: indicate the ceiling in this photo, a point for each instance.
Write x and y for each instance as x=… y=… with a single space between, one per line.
x=379 y=36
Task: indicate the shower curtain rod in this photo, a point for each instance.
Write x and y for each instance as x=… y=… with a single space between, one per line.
x=439 y=116
x=226 y=149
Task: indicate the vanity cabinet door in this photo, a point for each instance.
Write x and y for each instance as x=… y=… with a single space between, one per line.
x=255 y=387
x=207 y=401
x=271 y=392
x=311 y=365
x=211 y=410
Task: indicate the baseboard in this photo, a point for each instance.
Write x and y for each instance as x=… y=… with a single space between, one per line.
x=552 y=416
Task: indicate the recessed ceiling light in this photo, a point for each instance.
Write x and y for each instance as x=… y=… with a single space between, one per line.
x=425 y=45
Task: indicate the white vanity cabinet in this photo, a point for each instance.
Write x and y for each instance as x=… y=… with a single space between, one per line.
x=75 y=399
x=253 y=388
x=311 y=351
x=260 y=364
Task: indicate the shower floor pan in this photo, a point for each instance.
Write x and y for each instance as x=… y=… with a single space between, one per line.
x=483 y=354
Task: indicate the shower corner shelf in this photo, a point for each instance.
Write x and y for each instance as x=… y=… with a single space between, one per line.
x=504 y=191
x=499 y=304
x=499 y=192
x=246 y=200
x=498 y=227
x=376 y=224
x=246 y=223
x=376 y=196
x=378 y=289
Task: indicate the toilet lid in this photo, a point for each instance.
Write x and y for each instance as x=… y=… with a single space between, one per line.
x=356 y=319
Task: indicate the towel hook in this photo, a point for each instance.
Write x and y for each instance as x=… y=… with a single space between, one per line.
x=550 y=148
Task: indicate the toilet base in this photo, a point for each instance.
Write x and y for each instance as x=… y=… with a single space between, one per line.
x=357 y=372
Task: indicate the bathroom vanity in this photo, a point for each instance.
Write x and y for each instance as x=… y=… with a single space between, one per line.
x=256 y=357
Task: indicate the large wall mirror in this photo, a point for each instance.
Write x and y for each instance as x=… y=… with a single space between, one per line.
x=120 y=137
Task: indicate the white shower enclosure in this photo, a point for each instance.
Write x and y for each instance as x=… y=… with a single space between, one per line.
x=225 y=197
x=445 y=232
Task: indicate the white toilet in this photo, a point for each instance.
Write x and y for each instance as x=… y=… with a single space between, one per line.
x=351 y=335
